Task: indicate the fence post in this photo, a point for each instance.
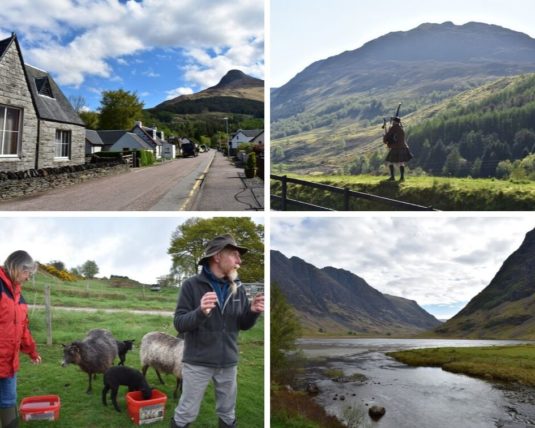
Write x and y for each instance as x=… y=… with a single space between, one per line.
x=48 y=315
x=284 y=192
x=346 y=199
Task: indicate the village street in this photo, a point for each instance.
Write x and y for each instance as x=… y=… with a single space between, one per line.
x=165 y=187
x=207 y=182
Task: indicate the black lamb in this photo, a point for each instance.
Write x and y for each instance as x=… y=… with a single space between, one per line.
x=94 y=353
x=122 y=375
x=123 y=346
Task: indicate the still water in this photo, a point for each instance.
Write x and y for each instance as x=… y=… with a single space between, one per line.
x=413 y=396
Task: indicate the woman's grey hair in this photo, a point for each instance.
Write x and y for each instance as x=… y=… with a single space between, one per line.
x=19 y=261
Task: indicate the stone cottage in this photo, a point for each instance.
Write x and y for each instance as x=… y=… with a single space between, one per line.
x=38 y=126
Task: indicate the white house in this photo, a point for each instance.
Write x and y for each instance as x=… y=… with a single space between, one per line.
x=241 y=136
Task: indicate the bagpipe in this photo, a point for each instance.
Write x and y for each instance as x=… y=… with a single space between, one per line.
x=388 y=138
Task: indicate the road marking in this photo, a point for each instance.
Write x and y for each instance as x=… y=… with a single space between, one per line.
x=197 y=185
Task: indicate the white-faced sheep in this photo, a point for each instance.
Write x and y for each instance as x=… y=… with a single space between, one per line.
x=122 y=375
x=123 y=346
x=163 y=353
x=94 y=353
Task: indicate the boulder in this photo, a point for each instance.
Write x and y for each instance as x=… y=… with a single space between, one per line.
x=312 y=389
x=376 y=412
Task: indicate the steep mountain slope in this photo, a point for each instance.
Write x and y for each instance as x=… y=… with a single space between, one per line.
x=235 y=93
x=506 y=307
x=428 y=54
x=337 y=301
x=335 y=106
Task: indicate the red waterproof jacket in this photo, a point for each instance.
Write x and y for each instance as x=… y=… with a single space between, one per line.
x=15 y=333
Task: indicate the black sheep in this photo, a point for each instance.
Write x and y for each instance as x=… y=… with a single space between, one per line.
x=122 y=375
x=123 y=346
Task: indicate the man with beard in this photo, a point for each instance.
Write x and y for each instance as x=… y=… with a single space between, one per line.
x=211 y=309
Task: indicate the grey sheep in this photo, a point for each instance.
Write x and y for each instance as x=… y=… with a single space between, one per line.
x=162 y=352
x=94 y=353
x=123 y=346
x=122 y=375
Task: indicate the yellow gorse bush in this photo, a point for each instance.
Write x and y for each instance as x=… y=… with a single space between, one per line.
x=61 y=274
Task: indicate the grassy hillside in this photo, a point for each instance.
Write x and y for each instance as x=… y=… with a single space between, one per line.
x=97 y=293
x=339 y=140
x=510 y=320
x=80 y=409
x=449 y=194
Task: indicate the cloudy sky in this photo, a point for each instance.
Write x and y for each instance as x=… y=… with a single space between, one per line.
x=440 y=262
x=305 y=31
x=158 y=48
x=132 y=246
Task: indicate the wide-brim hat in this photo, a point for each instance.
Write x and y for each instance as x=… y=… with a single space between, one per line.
x=220 y=243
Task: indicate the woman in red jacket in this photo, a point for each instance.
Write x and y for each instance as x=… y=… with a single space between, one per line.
x=16 y=336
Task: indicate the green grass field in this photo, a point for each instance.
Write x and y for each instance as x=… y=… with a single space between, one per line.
x=98 y=293
x=495 y=363
x=82 y=410
x=447 y=194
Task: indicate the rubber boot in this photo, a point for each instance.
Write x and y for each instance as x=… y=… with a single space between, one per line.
x=224 y=425
x=402 y=173
x=9 y=417
x=392 y=178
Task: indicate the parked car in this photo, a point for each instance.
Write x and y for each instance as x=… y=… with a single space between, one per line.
x=189 y=149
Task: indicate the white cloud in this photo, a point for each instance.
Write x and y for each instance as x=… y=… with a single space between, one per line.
x=77 y=39
x=173 y=93
x=108 y=241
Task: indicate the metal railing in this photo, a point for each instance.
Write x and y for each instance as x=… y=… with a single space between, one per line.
x=347 y=195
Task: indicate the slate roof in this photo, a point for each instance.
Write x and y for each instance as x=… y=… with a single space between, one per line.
x=251 y=133
x=111 y=137
x=58 y=108
x=4 y=44
x=139 y=140
x=93 y=137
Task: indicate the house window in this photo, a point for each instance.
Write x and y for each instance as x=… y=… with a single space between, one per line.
x=63 y=144
x=10 y=121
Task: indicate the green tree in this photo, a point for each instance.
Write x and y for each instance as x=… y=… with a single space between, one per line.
x=90 y=118
x=285 y=329
x=59 y=265
x=119 y=109
x=190 y=238
x=89 y=269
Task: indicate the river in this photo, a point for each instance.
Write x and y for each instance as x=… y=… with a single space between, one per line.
x=412 y=396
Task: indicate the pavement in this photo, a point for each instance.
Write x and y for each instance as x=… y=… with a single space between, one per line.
x=225 y=188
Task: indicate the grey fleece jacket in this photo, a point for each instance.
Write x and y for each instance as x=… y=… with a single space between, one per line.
x=211 y=340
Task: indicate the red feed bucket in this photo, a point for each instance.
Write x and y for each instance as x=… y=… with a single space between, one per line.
x=146 y=411
x=40 y=408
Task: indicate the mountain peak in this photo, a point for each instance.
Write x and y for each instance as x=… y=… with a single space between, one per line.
x=237 y=78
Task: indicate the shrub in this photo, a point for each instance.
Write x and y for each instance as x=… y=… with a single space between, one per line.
x=250 y=166
x=146 y=158
x=61 y=274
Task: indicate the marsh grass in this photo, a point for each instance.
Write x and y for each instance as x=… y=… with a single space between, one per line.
x=292 y=409
x=79 y=409
x=495 y=363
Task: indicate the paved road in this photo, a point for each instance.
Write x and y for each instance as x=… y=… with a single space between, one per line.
x=165 y=187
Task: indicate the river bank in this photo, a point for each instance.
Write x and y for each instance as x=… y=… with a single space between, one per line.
x=412 y=396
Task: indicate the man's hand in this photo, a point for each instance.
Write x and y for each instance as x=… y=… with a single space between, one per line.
x=257 y=305
x=37 y=360
x=208 y=302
